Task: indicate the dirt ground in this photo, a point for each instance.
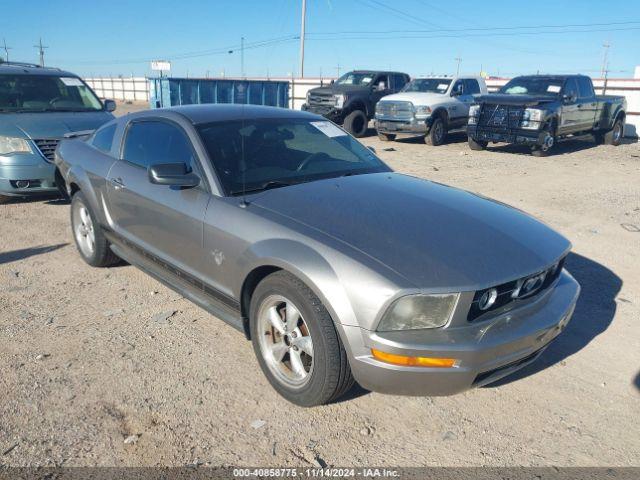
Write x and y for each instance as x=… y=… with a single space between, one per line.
x=108 y=367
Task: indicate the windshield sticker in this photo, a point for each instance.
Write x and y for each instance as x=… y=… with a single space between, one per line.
x=516 y=90
x=71 y=81
x=553 y=88
x=329 y=129
x=443 y=86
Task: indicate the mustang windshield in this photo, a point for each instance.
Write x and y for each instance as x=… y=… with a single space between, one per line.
x=545 y=86
x=257 y=155
x=431 y=85
x=44 y=93
x=353 y=78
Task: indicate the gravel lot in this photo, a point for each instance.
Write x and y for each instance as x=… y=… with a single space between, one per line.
x=108 y=367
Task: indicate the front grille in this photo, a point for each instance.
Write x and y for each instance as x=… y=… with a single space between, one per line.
x=321 y=99
x=502 y=116
x=511 y=294
x=394 y=110
x=47 y=147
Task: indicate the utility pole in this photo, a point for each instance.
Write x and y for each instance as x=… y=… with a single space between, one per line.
x=303 y=21
x=6 y=50
x=242 y=57
x=41 y=48
x=605 y=59
x=459 y=60
x=338 y=70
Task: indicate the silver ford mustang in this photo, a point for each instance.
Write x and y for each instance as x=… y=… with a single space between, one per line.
x=336 y=268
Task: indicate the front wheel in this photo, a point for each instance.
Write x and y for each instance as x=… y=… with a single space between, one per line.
x=356 y=123
x=548 y=143
x=476 y=144
x=437 y=134
x=88 y=236
x=296 y=342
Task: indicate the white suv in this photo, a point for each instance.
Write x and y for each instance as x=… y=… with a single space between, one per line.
x=430 y=107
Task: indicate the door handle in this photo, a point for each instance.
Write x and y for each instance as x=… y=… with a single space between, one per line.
x=117 y=183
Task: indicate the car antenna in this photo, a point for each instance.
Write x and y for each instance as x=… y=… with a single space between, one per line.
x=243 y=164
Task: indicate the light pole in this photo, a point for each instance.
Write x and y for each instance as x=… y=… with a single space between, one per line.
x=459 y=60
x=303 y=21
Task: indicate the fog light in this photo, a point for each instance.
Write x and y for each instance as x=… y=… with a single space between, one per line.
x=487 y=299
x=413 y=361
x=22 y=183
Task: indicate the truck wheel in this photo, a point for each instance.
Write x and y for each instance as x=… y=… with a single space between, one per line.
x=356 y=123
x=386 y=137
x=296 y=342
x=88 y=236
x=476 y=144
x=549 y=142
x=614 y=136
x=437 y=134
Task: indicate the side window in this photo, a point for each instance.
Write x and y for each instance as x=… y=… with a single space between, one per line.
x=585 y=88
x=399 y=81
x=571 y=88
x=471 y=86
x=151 y=142
x=103 y=138
x=458 y=88
x=382 y=79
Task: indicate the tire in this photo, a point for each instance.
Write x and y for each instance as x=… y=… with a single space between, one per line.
x=356 y=123
x=476 y=144
x=386 y=137
x=88 y=236
x=550 y=141
x=325 y=375
x=437 y=133
x=614 y=136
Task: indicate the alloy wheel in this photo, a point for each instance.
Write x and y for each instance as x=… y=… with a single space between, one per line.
x=285 y=341
x=84 y=230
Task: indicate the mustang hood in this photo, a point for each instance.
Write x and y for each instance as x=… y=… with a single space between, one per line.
x=517 y=100
x=50 y=124
x=434 y=235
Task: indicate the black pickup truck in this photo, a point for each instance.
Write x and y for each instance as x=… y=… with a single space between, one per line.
x=539 y=110
x=350 y=101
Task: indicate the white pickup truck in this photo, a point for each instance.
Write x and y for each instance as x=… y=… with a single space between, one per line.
x=429 y=107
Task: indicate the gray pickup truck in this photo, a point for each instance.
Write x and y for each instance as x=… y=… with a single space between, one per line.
x=539 y=110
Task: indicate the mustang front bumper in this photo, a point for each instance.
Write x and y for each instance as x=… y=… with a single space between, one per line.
x=485 y=351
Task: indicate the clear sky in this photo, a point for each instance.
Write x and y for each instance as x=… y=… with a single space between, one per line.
x=503 y=37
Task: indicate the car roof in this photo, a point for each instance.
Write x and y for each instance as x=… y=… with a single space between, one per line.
x=377 y=71
x=30 y=69
x=562 y=76
x=208 y=113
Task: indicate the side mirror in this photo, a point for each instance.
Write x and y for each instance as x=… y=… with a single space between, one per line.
x=176 y=174
x=109 y=105
x=457 y=92
x=568 y=98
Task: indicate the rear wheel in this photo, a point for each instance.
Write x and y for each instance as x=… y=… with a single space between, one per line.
x=386 y=137
x=613 y=136
x=437 y=134
x=296 y=342
x=88 y=236
x=356 y=123
x=477 y=144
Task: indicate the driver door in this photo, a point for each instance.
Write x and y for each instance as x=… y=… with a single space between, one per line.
x=164 y=220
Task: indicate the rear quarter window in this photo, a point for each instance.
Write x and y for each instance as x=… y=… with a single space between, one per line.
x=103 y=138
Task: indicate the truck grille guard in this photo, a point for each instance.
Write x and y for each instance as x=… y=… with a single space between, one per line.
x=500 y=116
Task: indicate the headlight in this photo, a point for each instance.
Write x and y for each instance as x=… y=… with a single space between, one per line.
x=531 y=118
x=339 y=100
x=422 y=111
x=474 y=113
x=11 y=145
x=415 y=312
